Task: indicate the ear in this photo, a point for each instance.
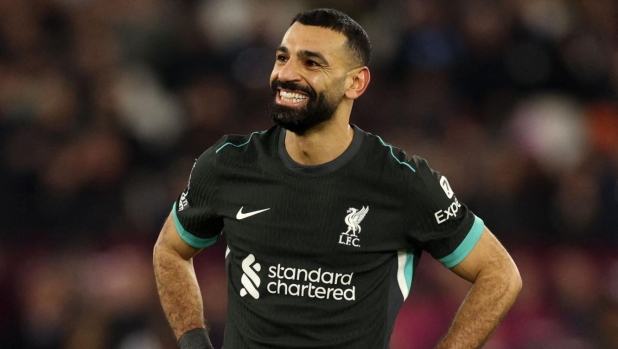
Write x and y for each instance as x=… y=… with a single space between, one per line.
x=359 y=78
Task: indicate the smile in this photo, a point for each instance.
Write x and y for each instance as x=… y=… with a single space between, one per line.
x=288 y=97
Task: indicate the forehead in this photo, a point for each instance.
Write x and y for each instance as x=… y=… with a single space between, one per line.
x=316 y=39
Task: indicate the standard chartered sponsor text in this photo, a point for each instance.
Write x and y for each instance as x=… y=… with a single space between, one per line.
x=299 y=282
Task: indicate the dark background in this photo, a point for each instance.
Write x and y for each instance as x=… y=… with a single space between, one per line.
x=105 y=104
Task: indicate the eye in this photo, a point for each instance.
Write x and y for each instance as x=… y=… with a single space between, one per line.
x=281 y=58
x=311 y=63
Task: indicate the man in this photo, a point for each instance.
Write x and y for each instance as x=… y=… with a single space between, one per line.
x=325 y=223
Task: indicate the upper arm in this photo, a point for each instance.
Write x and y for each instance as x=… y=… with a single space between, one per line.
x=438 y=222
x=449 y=231
x=169 y=240
x=195 y=216
x=487 y=254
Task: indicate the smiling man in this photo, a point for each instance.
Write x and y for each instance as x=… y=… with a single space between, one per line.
x=325 y=223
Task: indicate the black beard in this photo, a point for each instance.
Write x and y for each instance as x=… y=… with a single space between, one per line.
x=300 y=120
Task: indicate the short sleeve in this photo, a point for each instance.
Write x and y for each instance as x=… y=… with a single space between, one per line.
x=195 y=210
x=438 y=222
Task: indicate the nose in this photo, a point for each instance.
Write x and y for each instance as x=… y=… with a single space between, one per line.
x=289 y=72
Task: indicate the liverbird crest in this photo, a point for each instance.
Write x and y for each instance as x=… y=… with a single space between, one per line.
x=354 y=218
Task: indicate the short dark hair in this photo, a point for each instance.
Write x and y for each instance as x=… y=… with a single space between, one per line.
x=357 y=38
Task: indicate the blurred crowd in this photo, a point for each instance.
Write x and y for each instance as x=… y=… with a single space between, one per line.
x=105 y=104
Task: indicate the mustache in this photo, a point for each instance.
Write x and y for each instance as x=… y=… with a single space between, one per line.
x=292 y=86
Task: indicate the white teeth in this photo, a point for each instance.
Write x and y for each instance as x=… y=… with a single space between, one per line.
x=291 y=96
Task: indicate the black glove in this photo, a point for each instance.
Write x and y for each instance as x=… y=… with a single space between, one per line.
x=196 y=338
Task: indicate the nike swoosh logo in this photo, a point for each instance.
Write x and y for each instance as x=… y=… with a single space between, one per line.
x=241 y=215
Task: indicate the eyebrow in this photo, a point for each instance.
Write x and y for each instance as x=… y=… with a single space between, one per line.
x=305 y=54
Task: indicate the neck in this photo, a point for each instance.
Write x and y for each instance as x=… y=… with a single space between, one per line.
x=318 y=146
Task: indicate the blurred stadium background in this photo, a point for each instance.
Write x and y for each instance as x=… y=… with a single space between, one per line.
x=104 y=104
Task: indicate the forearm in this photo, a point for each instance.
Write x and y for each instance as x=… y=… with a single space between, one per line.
x=489 y=299
x=179 y=292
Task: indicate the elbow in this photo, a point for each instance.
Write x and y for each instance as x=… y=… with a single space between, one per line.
x=515 y=281
x=156 y=249
x=518 y=284
x=156 y=254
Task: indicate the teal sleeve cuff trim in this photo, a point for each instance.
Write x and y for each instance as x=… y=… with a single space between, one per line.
x=466 y=245
x=190 y=238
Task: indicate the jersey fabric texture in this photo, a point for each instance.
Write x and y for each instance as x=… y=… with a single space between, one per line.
x=320 y=256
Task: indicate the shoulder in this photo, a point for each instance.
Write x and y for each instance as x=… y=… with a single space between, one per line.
x=381 y=149
x=232 y=142
x=232 y=149
x=231 y=145
x=413 y=170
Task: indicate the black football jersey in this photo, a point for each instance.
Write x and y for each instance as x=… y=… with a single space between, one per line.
x=320 y=256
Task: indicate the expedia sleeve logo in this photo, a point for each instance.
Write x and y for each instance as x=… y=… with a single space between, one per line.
x=297 y=282
x=447 y=187
x=452 y=210
x=183 y=203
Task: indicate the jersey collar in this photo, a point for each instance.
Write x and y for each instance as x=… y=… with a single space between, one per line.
x=322 y=169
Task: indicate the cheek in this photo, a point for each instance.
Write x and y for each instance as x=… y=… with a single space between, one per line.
x=322 y=84
x=315 y=79
x=334 y=89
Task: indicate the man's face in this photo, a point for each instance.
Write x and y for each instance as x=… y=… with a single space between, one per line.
x=307 y=81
